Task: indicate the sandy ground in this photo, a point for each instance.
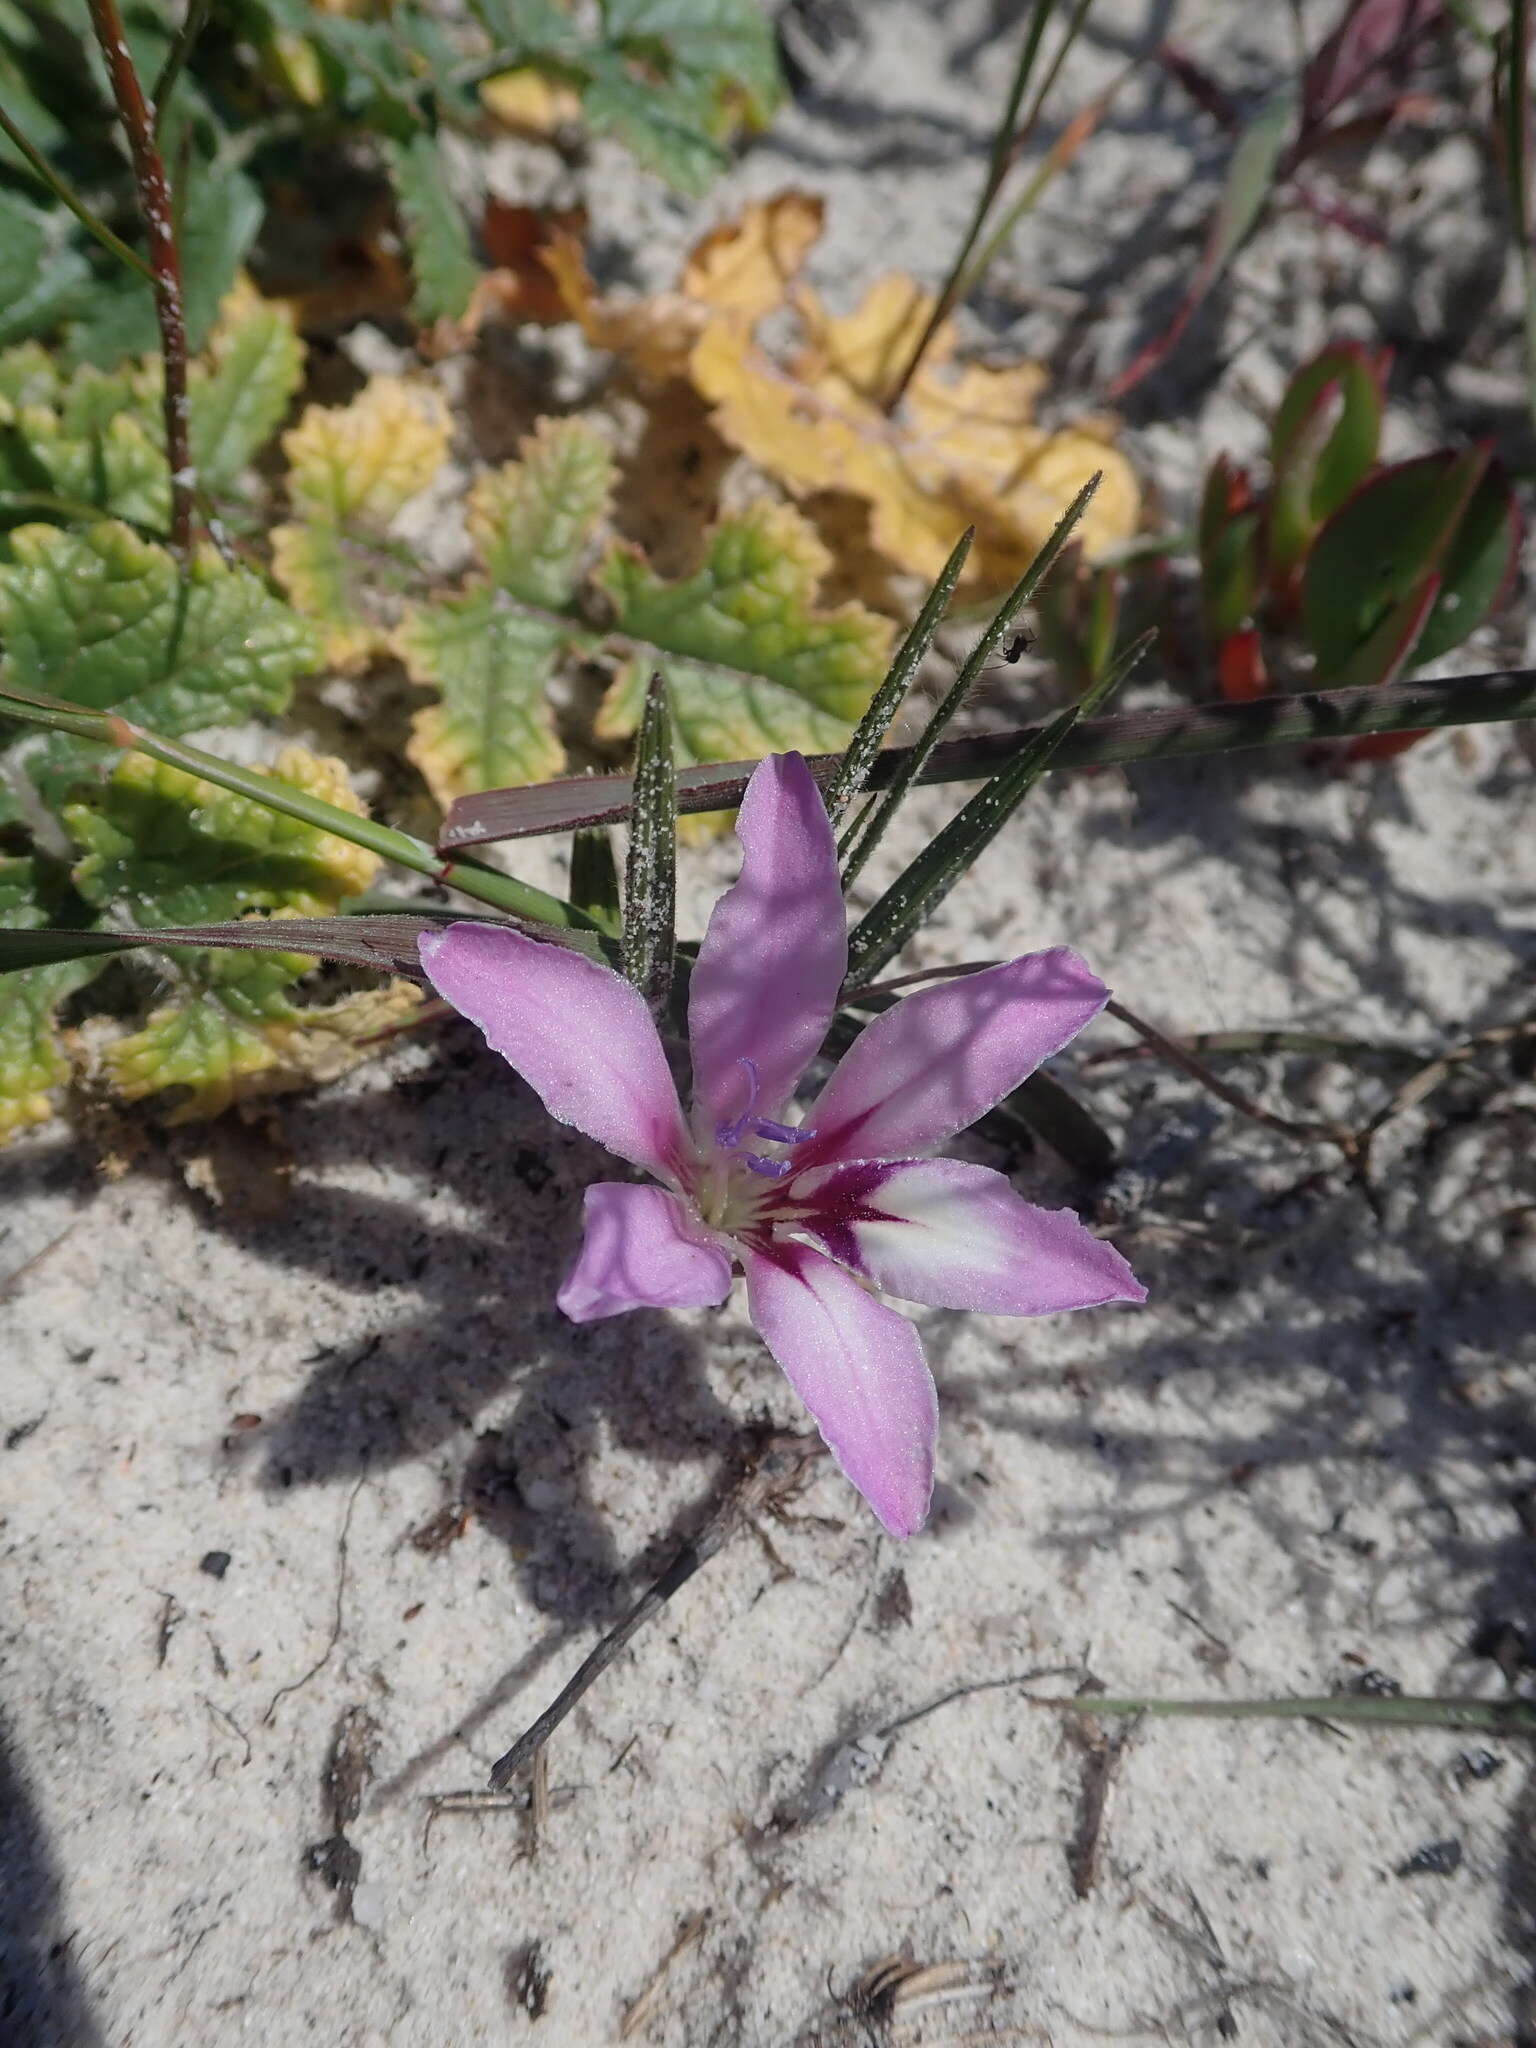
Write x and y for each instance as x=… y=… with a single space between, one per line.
x=310 y=1500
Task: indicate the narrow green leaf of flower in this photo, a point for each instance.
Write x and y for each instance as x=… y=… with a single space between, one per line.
x=921 y=888
x=867 y=740
x=387 y=943
x=650 y=876
x=595 y=876
x=916 y=758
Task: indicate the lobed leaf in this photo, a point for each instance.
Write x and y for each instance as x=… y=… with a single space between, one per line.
x=170 y=849
x=532 y=522
x=238 y=395
x=752 y=665
x=442 y=262
x=111 y=622
x=492 y=667
x=352 y=470
x=33 y=1063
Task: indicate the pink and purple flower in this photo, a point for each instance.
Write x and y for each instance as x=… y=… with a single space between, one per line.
x=822 y=1211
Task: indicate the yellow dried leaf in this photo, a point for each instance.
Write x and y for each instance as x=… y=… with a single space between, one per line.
x=745 y=266
x=362 y=462
x=529 y=102
x=737 y=273
x=865 y=351
x=962 y=448
x=653 y=335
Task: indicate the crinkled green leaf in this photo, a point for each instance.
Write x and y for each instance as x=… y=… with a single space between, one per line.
x=166 y=848
x=113 y=466
x=34 y=893
x=111 y=621
x=239 y=395
x=492 y=723
x=532 y=522
x=442 y=263
x=44 y=274
x=752 y=665
x=220 y=1047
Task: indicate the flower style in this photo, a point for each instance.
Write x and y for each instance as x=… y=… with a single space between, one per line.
x=818 y=1213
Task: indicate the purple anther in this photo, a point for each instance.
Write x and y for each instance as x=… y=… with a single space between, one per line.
x=770 y=1169
x=779 y=1134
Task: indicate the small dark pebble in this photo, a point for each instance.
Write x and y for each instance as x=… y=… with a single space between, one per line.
x=215 y=1563
x=1476 y=1766
x=1435 y=1859
x=336 y=1861
x=1376 y=1685
x=528 y=1978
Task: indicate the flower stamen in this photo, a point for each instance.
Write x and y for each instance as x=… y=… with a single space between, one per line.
x=729 y=1135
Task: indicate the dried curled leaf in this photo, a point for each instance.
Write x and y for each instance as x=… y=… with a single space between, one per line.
x=487 y=652
x=963 y=448
x=738 y=273
x=753 y=666
x=352 y=470
x=530 y=103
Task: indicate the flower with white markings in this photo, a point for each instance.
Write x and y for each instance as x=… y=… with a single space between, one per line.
x=821 y=1212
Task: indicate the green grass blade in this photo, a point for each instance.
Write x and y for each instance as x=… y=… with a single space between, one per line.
x=916 y=894
x=873 y=726
x=650 y=876
x=916 y=758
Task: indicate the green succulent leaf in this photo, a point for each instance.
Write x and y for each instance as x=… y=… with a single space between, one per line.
x=1409 y=566
x=752 y=665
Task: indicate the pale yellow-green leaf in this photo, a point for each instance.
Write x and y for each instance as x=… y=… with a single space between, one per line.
x=360 y=463
x=532 y=520
x=492 y=724
x=214 y=1058
x=353 y=468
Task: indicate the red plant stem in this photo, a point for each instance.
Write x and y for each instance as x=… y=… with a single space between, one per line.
x=164 y=257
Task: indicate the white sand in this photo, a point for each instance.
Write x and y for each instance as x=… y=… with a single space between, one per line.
x=1310 y=1457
